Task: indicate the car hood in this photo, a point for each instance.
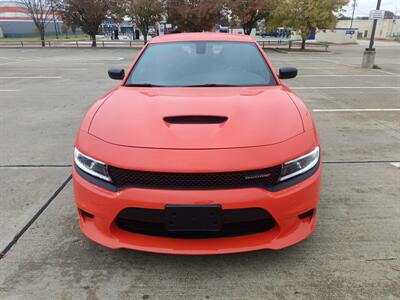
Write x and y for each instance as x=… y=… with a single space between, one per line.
x=197 y=118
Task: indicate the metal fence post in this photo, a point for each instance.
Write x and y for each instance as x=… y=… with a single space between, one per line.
x=76 y=43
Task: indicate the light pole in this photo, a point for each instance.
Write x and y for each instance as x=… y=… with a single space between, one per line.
x=369 y=53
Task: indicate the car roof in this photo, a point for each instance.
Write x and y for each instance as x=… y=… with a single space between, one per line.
x=201 y=36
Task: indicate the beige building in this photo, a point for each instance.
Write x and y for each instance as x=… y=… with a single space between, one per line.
x=385 y=29
x=337 y=35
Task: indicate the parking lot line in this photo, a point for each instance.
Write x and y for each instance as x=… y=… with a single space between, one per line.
x=9 y=90
x=19 y=61
x=341 y=162
x=37 y=166
x=342 y=87
x=89 y=58
x=35 y=216
x=313 y=68
x=350 y=75
x=355 y=109
x=30 y=77
x=45 y=68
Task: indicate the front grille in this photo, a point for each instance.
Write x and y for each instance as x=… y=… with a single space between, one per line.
x=222 y=180
x=235 y=222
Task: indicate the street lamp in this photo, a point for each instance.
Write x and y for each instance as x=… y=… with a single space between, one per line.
x=369 y=53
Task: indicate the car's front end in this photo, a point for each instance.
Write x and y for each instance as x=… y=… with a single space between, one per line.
x=198 y=169
x=259 y=210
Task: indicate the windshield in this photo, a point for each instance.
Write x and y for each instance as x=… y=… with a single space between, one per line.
x=201 y=64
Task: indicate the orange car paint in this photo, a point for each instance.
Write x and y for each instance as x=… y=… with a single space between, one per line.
x=272 y=126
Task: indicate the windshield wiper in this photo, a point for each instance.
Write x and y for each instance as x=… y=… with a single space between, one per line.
x=209 y=85
x=144 y=84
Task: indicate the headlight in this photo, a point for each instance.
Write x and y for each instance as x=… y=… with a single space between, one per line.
x=91 y=166
x=299 y=165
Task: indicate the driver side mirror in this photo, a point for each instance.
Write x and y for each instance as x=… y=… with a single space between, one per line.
x=287 y=72
x=116 y=73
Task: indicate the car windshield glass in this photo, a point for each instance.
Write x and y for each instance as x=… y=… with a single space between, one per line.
x=201 y=64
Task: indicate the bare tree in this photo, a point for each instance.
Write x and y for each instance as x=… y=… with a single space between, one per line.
x=39 y=11
x=194 y=15
x=250 y=12
x=145 y=13
x=86 y=14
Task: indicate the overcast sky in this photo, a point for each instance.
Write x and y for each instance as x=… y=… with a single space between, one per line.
x=364 y=6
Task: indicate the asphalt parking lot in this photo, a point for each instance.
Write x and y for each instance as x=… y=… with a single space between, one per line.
x=354 y=252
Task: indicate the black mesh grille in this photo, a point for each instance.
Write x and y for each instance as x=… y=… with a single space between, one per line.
x=222 y=180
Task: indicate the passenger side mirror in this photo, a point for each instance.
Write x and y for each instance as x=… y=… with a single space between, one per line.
x=287 y=72
x=116 y=73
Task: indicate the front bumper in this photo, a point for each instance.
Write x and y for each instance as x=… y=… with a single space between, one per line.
x=284 y=206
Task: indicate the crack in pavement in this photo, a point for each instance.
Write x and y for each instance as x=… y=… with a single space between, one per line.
x=36 y=166
x=360 y=162
x=63 y=185
x=34 y=218
x=381 y=259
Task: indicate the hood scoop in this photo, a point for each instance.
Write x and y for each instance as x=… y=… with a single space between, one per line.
x=195 y=119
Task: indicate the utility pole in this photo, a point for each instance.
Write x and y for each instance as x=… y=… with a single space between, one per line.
x=369 y=53
x=352 y=15
x=371 y=41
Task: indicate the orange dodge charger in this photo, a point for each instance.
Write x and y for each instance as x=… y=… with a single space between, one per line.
x=200 y=150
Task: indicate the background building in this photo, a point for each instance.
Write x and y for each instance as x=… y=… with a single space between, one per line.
x=15 y=22
x=388 y=28
x=337 y=35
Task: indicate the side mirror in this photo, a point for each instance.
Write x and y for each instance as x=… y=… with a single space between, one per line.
x=116 y=73
x=287 y=72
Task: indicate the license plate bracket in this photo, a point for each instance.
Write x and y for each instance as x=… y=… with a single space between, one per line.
x=197 y=218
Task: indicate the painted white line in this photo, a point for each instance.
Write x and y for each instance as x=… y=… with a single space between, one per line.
x=396 y=164
x=89 y=59
x=342 y=87
x=65 y=69
x=316 y=68
x=351 y=75
x=30 y=77
x=386 y=72
x=46 y=68
x=9 y=91
x=19 y=61
x=355 y=109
